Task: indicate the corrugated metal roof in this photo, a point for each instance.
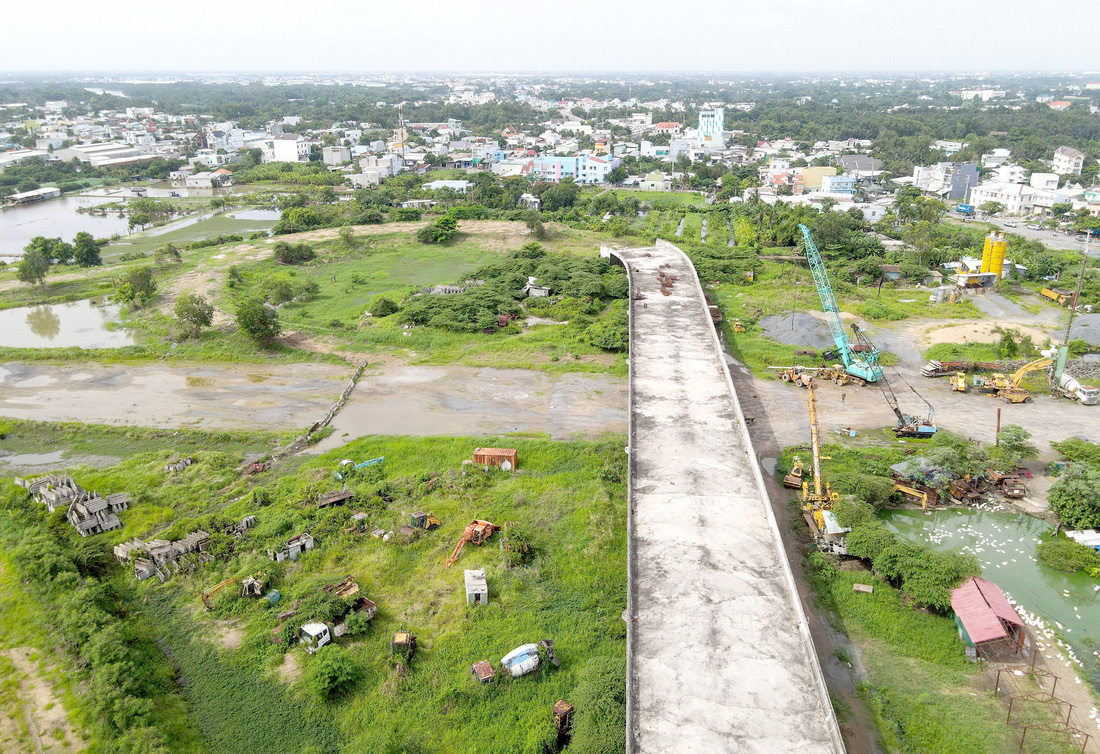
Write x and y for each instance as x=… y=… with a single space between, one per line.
x=981 y=606
x=997 y=601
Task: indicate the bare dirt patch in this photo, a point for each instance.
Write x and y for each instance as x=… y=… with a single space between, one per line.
x=975 y=332
x=229 y=634
x=207 y=279
x=290 y=670
x=46 y=722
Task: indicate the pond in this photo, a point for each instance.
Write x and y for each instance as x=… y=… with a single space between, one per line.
x=258 y=214
x=91 y=323
x=56 y=218
x=1005 y=546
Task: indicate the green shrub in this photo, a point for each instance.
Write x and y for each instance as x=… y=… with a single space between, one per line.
x=876 y=310
x=599 y=724
x=1063 y=554
x=383 y=307
x=286 y=253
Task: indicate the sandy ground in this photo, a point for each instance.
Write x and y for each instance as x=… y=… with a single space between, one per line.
x=975 y=332
x=229 y=634
x=424 y=400
x=46 y=720
x=274 y=397
x=290 y=670
x=207 y=279
x=971 y=415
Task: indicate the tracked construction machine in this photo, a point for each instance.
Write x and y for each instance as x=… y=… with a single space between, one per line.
x=476 y=533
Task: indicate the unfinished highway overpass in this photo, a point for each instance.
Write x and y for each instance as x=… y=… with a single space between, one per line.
x=719 y=655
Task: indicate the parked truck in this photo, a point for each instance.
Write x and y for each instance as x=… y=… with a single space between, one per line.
x=1069 y=387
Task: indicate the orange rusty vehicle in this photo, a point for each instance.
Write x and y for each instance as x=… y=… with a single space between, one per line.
x=477 y=533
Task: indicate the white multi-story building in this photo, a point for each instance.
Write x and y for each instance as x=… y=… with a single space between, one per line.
x=1016 y=198
x=289 y=148
x=1044 y=181
x=336 y=155
x=1010 y=174
x=996 y=158
x=1067 y=161
x=711 y=128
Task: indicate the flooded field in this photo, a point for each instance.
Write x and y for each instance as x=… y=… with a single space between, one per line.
x=1004 y=544
x=56 y=218
x=92 y=323
x=402 y=400
x=275 y=397
x=420 y=400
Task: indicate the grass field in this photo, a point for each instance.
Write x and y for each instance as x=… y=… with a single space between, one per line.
x=385 y=260
x=567 y=500
x=781 y=287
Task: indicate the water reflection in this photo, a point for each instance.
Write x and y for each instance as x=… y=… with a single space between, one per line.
x=92 y=323
x=43 y=322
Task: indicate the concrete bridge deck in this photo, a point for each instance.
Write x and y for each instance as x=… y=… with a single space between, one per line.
x=719 y=655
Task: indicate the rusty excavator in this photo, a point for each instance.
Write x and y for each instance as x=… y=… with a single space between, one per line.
x=476 y=533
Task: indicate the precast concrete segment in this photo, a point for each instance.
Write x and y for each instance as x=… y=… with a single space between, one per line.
x=719 y=654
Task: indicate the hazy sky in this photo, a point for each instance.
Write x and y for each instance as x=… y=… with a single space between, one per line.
x=566 y=35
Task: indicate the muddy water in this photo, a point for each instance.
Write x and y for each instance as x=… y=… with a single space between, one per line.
x=1005 y=546
x=55 y=218
x=274 y=397
x=85 y=324
x=408 y=400
x=419 y=400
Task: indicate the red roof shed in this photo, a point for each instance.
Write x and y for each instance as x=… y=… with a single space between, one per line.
x=983 y=613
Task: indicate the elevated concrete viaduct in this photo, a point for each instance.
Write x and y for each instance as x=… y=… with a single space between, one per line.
x=719 y=655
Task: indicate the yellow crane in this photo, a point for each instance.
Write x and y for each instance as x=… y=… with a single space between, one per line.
x=1009 y=388
x=822 y=497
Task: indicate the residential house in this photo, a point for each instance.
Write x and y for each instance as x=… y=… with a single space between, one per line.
x=838 y=184
x=947 y=180
x=288 y=148
x=336 y=155
x=1009 y=174
x=1067 y=161
x=1044 y=181
x=582 y=168
x=996 y=158
x=1017 y=198
x=860 y=165
x=655 y=181
x=668 y=127
x=812 y=176
x=1059 y=105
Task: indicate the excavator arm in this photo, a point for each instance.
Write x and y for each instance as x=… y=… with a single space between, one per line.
x=457 y=551
x=1026 y=369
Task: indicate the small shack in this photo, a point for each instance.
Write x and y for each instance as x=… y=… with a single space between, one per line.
x=985 y=619
x=502 y=458
x=477 y=588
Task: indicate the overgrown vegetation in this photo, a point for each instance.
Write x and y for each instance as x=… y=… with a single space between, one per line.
x=566 y=502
